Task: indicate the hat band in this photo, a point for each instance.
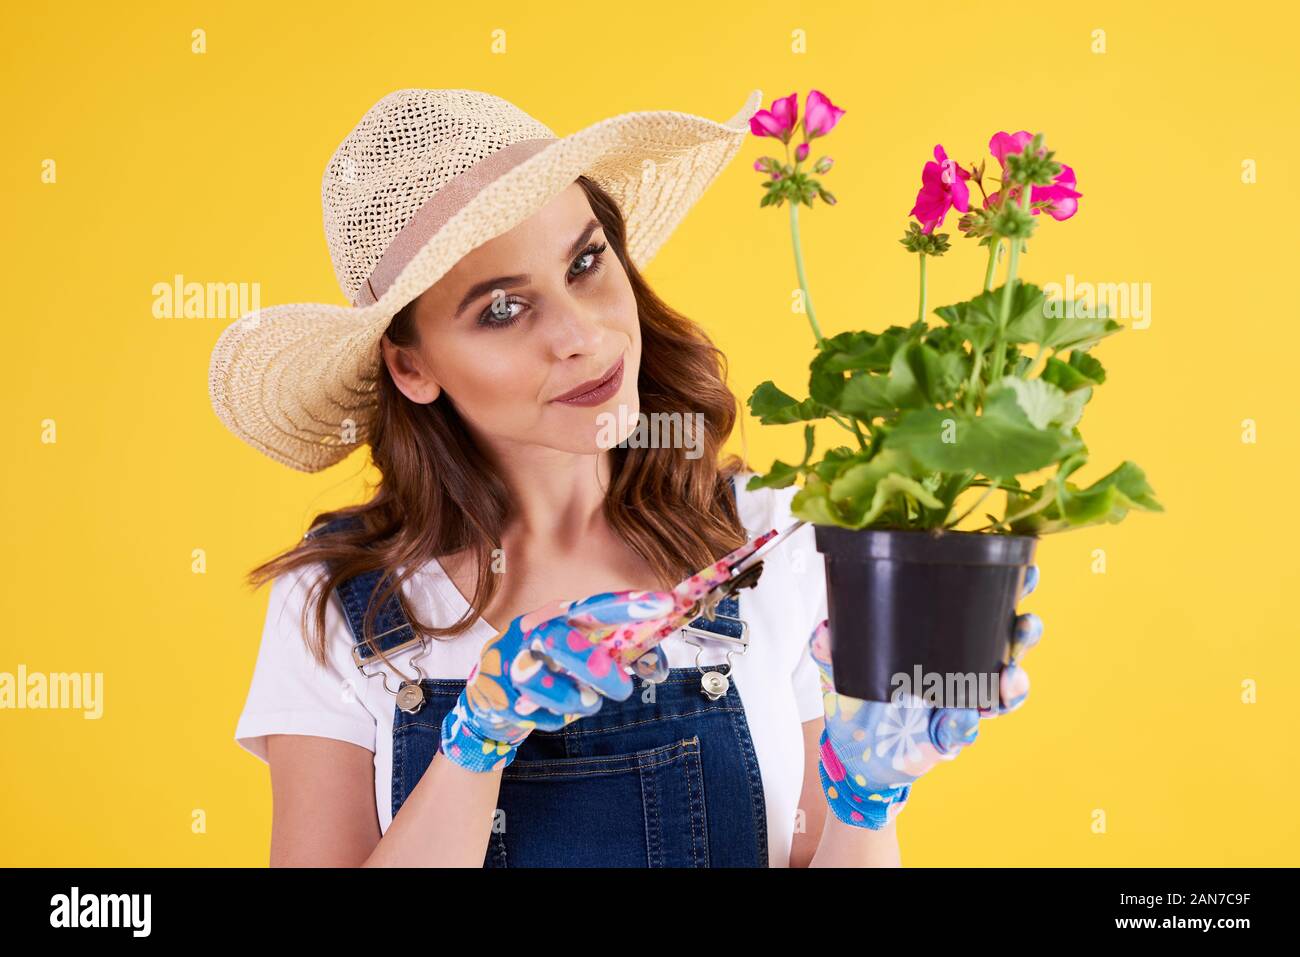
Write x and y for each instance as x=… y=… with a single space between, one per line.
x=437 y=209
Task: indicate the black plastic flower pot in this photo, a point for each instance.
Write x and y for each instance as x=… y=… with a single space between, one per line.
x=915 y=610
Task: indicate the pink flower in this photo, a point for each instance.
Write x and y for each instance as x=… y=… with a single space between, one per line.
x=820 y=115
x=779 y=121
x=1003 y=143
x=1064 y=198
x=1061 y=194
x=943 y=187
x=801 y=152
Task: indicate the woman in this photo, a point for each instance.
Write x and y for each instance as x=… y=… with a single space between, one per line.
x=500 y=348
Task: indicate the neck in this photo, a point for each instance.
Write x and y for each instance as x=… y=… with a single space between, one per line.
x=558 y=497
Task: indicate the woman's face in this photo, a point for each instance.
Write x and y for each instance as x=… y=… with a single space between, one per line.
x=524 y=319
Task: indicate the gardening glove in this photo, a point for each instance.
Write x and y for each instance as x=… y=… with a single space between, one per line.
x=548 y=668
x=872 y=751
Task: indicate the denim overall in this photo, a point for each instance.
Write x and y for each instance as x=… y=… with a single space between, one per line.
x=666 y=778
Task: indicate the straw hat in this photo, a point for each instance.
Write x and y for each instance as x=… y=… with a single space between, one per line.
x=425 y=177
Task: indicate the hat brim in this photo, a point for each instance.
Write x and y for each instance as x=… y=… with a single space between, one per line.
x=298 y=382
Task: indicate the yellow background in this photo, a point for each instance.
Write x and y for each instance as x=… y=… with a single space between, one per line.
x=209 y=166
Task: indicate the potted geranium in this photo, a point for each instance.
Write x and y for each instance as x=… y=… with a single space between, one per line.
x=942 y=422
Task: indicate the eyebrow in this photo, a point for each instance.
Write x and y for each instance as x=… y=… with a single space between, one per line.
x=504 y=282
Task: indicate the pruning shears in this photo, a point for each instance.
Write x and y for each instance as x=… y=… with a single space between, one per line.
x=700 y=594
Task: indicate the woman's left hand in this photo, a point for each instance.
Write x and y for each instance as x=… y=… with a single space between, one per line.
x=872 y=751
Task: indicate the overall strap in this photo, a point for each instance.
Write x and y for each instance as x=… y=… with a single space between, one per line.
x=391 y=626
x=392 y=629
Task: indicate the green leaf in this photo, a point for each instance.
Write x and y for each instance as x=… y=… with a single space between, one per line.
x=1088 y=366
x=863 y=351
x=1109 y=499
x=862 y=493
x=1074 y=403
x=774 y=407
x=891 y=490
x=812 y=504
x=1043 y=403
x=858 y=479
x=1068 y=376
x=1059 y=326
x=856 y=352
x=780 y=475
x=944 y=379
x=945 y=339
x=834 y=461
x=919 y=375
x=902 y=388
x=1001 y=442
x=865 y=396
x=977 y=319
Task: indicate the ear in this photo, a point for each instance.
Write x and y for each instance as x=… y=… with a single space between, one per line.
x=409 y=372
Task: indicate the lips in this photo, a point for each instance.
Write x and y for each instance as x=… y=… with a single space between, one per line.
x=595 y=391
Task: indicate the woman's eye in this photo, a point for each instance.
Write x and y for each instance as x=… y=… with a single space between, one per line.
x=499 y=315
x=593 y=257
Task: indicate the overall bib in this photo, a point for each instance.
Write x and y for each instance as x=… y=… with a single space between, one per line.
x=666 y=778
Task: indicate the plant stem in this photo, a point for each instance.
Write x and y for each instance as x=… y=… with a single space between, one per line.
x=798 y=265
x=1042 y=503
x=920 y=312
x=991 y=271
x=999 y=350
x=851 y=426
x=1008 y=488
x=1029 y=373
x=862 y=442
x=957 y=521
x=974 y=380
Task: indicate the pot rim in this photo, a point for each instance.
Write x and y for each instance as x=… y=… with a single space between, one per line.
x=924 y=546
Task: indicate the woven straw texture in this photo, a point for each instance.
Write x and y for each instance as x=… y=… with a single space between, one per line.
x=298 y=382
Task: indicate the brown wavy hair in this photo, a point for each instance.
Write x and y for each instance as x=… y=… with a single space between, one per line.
x=439 y=495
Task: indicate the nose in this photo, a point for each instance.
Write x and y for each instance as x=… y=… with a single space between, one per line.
x=574 y=328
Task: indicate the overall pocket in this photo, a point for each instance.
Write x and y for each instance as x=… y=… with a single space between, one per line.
x=641 y=809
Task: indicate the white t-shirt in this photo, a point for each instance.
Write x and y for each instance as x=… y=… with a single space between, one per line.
x=777 y=679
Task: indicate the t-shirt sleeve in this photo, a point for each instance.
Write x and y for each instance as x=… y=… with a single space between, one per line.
x=806 y=571
x=807 y=677
x=291 y=692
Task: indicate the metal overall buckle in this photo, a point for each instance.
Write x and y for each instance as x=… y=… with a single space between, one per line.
x=714 y=683
x=409 y=694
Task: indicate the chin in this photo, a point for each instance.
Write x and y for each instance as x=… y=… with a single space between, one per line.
x=600 y=427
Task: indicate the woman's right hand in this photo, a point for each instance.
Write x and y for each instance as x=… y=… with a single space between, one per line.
x=547 y=669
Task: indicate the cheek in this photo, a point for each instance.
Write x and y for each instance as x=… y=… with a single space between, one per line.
x=622 y=307
x=617 y=308
x=491 y=382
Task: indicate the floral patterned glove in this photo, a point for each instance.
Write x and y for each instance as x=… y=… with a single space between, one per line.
x=872 y=751
x=548 y=668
